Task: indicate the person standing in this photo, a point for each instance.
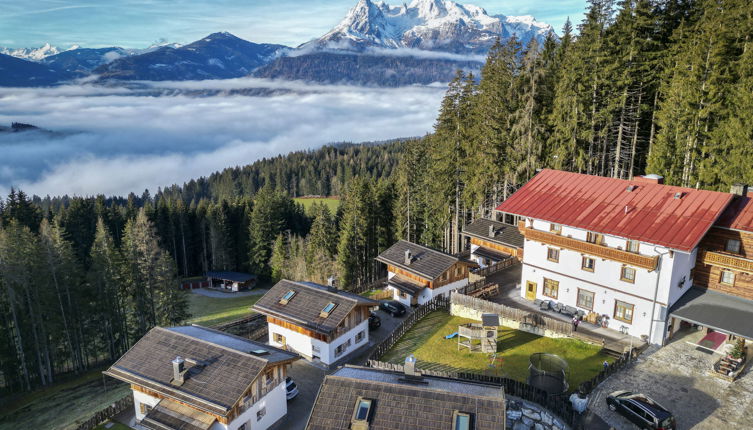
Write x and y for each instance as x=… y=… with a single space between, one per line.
x=576 y=321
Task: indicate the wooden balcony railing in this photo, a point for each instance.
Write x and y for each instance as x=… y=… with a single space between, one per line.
x=727 y=261
x=632 y=259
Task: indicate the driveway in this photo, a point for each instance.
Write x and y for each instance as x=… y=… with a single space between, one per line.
x=309 y=377
x=676 y=377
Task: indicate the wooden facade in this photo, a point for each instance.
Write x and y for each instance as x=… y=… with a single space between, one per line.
x=456 y=272
x=714 y=258
x=516 y=252
x=597 y=250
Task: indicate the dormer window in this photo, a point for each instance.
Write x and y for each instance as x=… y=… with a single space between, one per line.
x=461 y=421
x=361 y=414
x=286 y=298
x=327 y=309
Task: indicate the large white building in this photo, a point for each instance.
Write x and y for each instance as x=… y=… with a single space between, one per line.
x=622 y=249
x=416 y=273
x=318 y=322
x=192 y=377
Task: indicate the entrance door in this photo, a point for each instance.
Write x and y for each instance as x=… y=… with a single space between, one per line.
x=531 y=290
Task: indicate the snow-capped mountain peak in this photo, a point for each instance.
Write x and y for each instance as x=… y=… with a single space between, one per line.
x=442 y=25
x=32 y=54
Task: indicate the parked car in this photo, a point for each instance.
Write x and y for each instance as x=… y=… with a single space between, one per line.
x=374 y=321
x=291 y=388
x=641 y=410
x=392 y=307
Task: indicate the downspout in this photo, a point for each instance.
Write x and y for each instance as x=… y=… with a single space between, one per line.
x=656 y=294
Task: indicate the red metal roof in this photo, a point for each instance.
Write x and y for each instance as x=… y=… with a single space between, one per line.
x=649 y=213
x=739 y=214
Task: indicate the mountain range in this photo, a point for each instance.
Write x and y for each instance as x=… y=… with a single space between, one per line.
x=375 y=44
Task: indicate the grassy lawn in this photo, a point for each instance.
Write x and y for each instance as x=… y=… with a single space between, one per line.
x=209 y=311
x=332 y=203
x=66 y=404
x=426 y=341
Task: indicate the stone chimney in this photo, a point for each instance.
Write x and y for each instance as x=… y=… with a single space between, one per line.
x=408 y=257
x=410 y=367
x=331 y=281
x=739 y=189
x=179 y=368
x=491 y=231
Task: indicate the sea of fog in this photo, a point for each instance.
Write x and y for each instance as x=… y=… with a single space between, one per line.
x=116 y=140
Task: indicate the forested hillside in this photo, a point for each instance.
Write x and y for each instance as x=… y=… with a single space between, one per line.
x=646 y=86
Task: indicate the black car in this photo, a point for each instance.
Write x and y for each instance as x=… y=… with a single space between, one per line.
x=374 y=321
x=394 y=308
x=641 y=410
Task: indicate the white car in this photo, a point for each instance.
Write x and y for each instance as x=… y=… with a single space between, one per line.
x=291 y=388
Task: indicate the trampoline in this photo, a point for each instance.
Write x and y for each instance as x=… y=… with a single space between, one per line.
x=548 y=372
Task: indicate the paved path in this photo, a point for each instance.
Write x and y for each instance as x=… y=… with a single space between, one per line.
x=676 y=377
x=228 y=295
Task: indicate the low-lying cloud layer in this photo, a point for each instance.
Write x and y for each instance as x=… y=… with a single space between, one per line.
x=116 y=140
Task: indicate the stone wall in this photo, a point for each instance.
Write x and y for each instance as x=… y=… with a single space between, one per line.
x=524 y=415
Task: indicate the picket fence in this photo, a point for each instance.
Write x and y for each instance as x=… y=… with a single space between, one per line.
x=108 y=412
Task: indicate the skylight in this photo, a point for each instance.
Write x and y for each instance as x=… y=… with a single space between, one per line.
x=327 y=310
x=362 y=409
x=286 y=298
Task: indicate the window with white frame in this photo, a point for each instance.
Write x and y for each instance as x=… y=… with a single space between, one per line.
x=727 y=277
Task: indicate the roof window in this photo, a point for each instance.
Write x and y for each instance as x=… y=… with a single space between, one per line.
x=327 y=310
x=461 y=421
x=286 y=298
x=361 y=414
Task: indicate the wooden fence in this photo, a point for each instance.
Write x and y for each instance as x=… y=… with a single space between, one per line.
x=623 y=361
x=496 y=267
x=108 y=412
x=439 y=302
x=532 y=319
x=559 y=405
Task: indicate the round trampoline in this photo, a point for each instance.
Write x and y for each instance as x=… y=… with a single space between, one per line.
x=548 y=372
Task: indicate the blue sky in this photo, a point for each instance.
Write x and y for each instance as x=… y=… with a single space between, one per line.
x=139 y=23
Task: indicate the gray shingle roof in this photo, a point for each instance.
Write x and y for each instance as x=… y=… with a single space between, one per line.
x=401 y=405
x=170 y=415
x=505 y=234
x=215 y=385
x=309 y=300
x=716 y=310
x=427 y=263
x=490 y=253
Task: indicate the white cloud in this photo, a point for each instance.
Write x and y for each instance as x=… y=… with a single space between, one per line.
x=121 y=140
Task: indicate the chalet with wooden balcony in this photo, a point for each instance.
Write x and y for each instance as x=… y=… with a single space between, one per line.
x=722 y=297
x=619 y=249
x=196 y=378
x=416 y=273
x=318 y=322
x=361 y=398
x=493 y=241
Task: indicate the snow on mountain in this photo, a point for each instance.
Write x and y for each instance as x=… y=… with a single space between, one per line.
x=426 y=24
x=32 y=54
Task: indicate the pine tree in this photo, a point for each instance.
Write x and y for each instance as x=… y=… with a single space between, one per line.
x=279 y=258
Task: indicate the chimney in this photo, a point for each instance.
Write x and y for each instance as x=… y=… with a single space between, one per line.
x=408 y=257
x=410 y=367
x=650 y=179
x=739 y=189
x=491 y=231
x=178 y=370
x=331 y=281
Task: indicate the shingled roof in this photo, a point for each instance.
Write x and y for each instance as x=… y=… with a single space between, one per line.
x=219 y=371
x=398 y=404
x=305 y=306
x=428 y=263
x=504 y=234
x=405 y=285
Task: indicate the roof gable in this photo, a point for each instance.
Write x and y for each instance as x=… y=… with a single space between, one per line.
x=427 y=263
x=649 y=213
x=305 y=307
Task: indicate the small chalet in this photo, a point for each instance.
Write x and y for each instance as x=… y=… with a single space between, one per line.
x=362 y=398
x=196 y=378
x=231 y=281
x=493 y=241
x=721 y=300
x=320 y=323
x=417 y=274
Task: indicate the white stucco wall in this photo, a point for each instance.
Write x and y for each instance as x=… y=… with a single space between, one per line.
x=304 y=345
x=276 y=406
x=605 y=281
